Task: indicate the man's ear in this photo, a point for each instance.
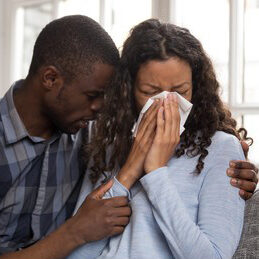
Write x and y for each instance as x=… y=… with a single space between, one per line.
x=51 y=78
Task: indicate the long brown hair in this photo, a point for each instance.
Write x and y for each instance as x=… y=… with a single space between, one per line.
x=153 y=40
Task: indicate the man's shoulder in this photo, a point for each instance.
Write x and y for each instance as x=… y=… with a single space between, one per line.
x=3 y=111
x=1 y=128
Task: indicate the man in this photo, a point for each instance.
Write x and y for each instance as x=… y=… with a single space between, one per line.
x=41 y=123
x=73 y=61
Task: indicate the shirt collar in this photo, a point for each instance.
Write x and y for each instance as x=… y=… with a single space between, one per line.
x=14 y=128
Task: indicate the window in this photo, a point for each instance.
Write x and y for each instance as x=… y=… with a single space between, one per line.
x=32 y=15
x=246 y=104
x=116 y=16
x=201 y=17
x=31 y=20
x=251 y=53
x=23 y=20
x=121 y=16
x=90 y=8
x=226 y=28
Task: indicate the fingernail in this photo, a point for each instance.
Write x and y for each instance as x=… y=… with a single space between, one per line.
x=230 y=171
x=234 y=181
x=232 y=164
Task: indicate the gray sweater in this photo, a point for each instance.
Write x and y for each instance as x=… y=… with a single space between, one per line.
x=249 y=244
x=178 y=214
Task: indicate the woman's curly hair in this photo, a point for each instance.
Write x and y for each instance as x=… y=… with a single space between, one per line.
x=153 y=40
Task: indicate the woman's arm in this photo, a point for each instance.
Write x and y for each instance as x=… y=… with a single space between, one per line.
x=220 y=212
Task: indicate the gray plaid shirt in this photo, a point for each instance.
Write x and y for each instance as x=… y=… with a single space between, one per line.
x=39 y=180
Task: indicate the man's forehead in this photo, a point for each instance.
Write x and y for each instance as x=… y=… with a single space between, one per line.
x=98 y=79
x=93 y=86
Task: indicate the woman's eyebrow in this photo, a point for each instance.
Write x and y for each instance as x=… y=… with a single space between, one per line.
x=153 y=86
x=173 y=87
x=180 y=85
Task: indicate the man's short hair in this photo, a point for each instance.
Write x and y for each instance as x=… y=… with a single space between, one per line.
x=73 y=44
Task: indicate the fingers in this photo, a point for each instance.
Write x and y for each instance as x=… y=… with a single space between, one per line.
x=148 y=118
x=116 y=202
x=122 y=221
x=117 y=230
x=172 y=119
x=244 y=185
x=246 y=174
x=122 y=212
x=146 y=131
x=175 y=118
x=99 y=192
x=168 y=117
x=245 y=195
x=240 y=164
x=160 y=122
x=244 y=177
x=168 y=126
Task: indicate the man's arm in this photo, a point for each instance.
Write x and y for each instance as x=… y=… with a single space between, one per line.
x=96 y=219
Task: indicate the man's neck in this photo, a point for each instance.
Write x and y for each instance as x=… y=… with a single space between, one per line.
x=27 y=100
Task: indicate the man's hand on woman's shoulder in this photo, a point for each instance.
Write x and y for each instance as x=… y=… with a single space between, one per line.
x=244 y=175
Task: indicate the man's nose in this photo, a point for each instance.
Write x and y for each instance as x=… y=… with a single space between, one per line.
x=97 y=105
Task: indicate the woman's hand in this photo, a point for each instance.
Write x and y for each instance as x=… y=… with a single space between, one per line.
x=133 y=168
x=167 y=135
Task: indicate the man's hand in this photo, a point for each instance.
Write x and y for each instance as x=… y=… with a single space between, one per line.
x=244 y=175
x=95 y=220
x=99 y=218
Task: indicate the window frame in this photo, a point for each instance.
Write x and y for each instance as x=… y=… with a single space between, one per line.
x=166 y=10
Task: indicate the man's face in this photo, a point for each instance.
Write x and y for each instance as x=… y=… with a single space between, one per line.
x=75 y=103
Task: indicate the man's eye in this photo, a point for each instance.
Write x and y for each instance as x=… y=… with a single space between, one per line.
x=91 y=96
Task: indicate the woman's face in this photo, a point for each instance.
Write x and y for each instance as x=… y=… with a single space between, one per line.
x=154 y=77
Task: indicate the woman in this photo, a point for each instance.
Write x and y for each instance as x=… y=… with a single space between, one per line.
x=182 y=203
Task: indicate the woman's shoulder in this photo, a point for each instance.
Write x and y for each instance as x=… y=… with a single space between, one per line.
x=221 y=135
x=225 y=144
x=222 y=139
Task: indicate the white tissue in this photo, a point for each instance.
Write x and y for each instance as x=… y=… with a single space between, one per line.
x=184 y=110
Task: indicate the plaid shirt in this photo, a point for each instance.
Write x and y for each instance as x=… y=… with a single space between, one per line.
x=39 y=180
